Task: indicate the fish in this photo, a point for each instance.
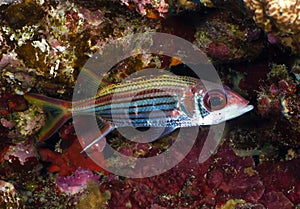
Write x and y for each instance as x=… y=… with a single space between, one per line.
x=169 y=101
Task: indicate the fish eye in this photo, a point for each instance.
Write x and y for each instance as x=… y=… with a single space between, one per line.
x=215 y=100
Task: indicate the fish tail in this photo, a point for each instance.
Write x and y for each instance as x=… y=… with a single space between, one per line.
x=58 y=112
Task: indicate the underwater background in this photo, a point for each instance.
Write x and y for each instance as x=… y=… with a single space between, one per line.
x=253 y=44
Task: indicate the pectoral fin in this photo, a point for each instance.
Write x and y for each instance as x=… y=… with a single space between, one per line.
x=106 y=129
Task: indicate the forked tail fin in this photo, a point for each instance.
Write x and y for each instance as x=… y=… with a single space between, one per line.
x=58 y=112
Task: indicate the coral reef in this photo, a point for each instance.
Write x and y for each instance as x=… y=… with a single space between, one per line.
x=31 y=187
x=278 y=18
x=77 y=182
x=45 y=43
x=155 y=9
x=223 y=181
x=148 y=7
x=273 y=133
x=17 y=122
x=8 y=195
x=23 y=152
x=228 y=36
x=56 y=38
x=279 y=94
x=93 y=198
x=19 y=119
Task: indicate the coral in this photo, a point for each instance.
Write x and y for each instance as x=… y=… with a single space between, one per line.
x=154 y=9
x=78 y=182
x=20 y=119
x=57 y=37
x=225 y=39
x=23 y=152
x=296 y=69
x=242 y=77
x=224 y=181
x=8 y=2
x=11 y=103
x=273 y=133
x=19 y=81
x=8 y=196
x=279 y=18
x=279 y=94
x=33 y=187
x=24 y=13
x=41 y=192
x=30 y=121
x=207 y=3
x=149 y=7
x=290 y=105
x=13 y=116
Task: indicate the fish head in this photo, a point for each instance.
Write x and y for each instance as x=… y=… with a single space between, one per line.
x=219 y=105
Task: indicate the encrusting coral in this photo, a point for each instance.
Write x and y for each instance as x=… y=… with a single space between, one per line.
x=279 y=18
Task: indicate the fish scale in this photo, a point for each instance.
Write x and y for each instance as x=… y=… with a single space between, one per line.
x=147 y=101
x=167 y=82
x=134 y=102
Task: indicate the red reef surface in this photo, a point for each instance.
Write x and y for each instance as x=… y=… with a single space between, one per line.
x=65 y=163
x=224 y=176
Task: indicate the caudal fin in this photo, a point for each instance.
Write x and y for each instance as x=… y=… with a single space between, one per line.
x=58 y=112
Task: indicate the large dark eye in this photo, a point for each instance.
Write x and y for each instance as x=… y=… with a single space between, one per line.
x=214 y=100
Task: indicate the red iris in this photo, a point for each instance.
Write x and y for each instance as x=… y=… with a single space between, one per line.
x=215 y=100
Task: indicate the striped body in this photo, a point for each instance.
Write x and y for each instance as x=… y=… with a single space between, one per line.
x=148 y=101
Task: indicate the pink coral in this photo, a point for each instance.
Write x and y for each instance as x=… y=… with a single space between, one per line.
x=161 y=7
x=77 y=182
x=278 y=93
x=23 y=152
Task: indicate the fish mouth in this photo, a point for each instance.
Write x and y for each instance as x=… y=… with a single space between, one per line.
x=246 y=108
x=238 y=110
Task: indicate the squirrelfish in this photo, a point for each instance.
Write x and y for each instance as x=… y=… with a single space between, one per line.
x=169 y=101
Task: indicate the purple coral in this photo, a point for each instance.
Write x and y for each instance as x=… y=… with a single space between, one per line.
x=77 y=182
x=23 y=152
